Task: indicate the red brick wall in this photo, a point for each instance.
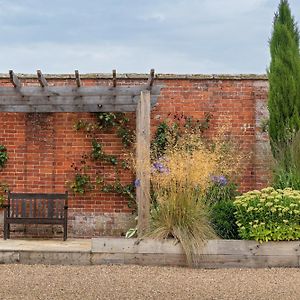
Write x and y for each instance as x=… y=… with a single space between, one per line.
x=42 y=147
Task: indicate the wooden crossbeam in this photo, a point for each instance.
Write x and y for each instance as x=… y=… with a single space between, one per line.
x=74 y=98
x=114 y=73
x=83 y=91
x=151 y=78
x=42 y=80
x=14 y=79
x=67 y=108
x=78 y=80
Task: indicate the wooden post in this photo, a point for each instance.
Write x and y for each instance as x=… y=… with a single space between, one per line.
x=143 y=162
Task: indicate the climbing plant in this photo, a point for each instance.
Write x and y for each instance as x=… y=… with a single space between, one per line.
x=3 y=156
x=104 y=122
x=167 y=132
x=3 y=186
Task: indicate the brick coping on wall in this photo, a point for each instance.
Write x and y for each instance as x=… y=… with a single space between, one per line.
x=145 y=76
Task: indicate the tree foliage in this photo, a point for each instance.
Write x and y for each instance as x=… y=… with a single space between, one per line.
x=284 y=81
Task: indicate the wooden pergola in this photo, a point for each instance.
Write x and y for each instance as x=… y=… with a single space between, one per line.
x=76 y=97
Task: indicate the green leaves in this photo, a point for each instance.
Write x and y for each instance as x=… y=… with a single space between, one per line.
x=269 y=214
x=284 y=82
x=3 y=156
x=81 y=184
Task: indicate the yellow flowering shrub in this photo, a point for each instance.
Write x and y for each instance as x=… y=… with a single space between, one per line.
x=269 y=214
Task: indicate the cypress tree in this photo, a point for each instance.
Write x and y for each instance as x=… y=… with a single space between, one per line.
x=284 y=82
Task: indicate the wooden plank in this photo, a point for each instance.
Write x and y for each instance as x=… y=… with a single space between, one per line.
x=143 y=162
x=115 y=245
x=237 y=247
x=74 y=91
x=244 y=261
x=70 y=100
x=67 y=108
x=42 y=80
x=14 y=79
x=77 y=77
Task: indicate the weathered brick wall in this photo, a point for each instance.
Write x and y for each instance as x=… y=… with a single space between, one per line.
x=43 y=147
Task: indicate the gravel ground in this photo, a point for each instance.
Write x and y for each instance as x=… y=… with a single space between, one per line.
x=135 y=282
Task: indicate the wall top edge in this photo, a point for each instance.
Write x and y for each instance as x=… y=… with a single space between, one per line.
x=145 y=76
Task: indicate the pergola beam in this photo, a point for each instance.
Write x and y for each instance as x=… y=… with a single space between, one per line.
x=83 y=91
x=14 y=79
x=42 y=80
x=151 y=79
x=114 y=74
x=74 y=98
x=77 y=77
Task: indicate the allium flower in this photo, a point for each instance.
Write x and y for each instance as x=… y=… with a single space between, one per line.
x=220 y=180
x=160 y=167
x=137 y=183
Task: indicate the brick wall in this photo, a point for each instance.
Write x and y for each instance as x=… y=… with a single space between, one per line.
x=43 y=147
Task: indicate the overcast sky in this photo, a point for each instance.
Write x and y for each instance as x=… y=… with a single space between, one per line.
x=172 y=36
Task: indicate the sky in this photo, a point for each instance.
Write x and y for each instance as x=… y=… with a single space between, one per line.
x=133 y=36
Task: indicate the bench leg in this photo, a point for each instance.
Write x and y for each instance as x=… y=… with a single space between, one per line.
x=65 y=228
x=6 y=229
x=65 y=232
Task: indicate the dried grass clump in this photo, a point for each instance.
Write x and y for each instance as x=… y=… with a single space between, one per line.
x=180 y=179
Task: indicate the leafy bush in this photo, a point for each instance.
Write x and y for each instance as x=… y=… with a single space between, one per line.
x=288 y=175
x=269 y=214
x=222 y=216
x=219 y=196
x=220 y=190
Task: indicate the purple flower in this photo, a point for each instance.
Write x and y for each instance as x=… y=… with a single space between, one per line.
x=159 y=167
x=137 y=183
x=220 y=180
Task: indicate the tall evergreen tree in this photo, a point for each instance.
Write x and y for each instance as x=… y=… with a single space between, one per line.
x=284 y=81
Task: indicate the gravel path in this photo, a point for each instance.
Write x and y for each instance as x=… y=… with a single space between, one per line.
x=135 y=282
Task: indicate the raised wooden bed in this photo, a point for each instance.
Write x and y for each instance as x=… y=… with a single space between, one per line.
x=216 y=253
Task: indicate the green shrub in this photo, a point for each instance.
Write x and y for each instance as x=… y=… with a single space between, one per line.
x=269 y=214
x=220 y=191
x=222 y=216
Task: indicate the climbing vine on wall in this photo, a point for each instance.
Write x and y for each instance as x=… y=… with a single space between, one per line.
x=167 y=132
x=104 y=122
x=3 y=156
x=3 y=186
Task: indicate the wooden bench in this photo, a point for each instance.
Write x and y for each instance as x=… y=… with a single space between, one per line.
x=31 y=208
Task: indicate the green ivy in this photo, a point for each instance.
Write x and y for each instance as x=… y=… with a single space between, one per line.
x=81 y=184
x=3 y=156
x=127 y=190
x=168 y=133
x=98 y=154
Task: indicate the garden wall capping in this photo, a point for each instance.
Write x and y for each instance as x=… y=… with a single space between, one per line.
x=143 y=76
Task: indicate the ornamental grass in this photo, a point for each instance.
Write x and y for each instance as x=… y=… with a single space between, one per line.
x=180 y=180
